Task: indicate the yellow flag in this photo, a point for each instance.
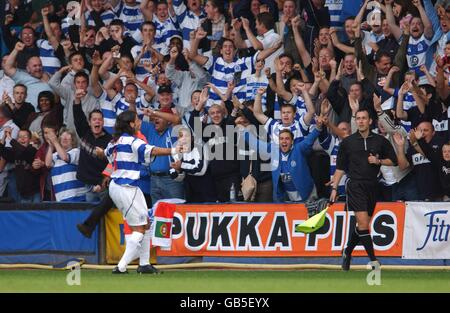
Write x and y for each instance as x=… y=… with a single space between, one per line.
x=313 y=223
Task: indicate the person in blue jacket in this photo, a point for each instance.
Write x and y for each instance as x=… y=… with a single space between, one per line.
x=291 y=176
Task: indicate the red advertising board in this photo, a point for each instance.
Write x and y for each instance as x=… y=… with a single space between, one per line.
x=268 y=230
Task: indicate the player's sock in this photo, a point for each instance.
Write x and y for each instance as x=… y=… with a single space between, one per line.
x=366 y=240
x=133 y=245
x=144 y=251
x=352 y=242
x=136 y=254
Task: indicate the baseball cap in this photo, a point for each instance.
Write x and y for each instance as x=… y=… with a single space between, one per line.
x=165 y=88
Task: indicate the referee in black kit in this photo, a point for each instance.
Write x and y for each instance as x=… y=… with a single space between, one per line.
x=360 y=156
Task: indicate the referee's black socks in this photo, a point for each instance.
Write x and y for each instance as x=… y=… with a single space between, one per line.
x=366 y=240
x=352 y=242
x=362 y=236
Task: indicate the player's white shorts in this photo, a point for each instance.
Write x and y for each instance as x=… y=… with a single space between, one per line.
x=131 y=202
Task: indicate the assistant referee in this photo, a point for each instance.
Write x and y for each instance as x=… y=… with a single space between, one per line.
x=360 y=156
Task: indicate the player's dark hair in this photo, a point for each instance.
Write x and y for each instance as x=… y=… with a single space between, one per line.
x=122 y=125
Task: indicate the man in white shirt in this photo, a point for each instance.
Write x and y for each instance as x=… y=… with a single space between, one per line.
x=266 y=36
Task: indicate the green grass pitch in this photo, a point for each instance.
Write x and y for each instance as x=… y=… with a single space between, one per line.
x=225 y=281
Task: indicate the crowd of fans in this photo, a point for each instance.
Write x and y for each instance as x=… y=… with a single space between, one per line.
x=259 y=93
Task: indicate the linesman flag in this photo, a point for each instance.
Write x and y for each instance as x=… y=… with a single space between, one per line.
x=313 y=223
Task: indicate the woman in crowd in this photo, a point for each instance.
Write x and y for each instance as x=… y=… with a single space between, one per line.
x=62 y=158
x=49 y=112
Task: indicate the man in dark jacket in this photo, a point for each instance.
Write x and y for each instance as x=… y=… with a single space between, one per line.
x=222 y=149
x=93 y=138
x=21 y=110
x=343 y=103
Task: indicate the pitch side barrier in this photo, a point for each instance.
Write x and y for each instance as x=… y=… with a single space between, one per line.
x=412 y=233
x=46 y=233
x=403 y=233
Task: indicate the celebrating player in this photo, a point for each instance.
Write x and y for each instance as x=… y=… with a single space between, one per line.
x=127 y=153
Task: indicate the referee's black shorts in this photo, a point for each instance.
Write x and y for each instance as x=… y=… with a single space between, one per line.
x=361 y=196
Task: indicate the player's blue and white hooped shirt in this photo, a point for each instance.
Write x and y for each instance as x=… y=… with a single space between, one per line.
x=106 y=16
x=50 y=62
x=416 y=56
x=298 y=128
x=223 y=72
x=130 y=15
x=164 y=32
x=64 y=178
x=187 y=20
x=127 y=155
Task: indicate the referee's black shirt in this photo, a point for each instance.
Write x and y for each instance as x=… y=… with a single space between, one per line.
x=353 y=155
